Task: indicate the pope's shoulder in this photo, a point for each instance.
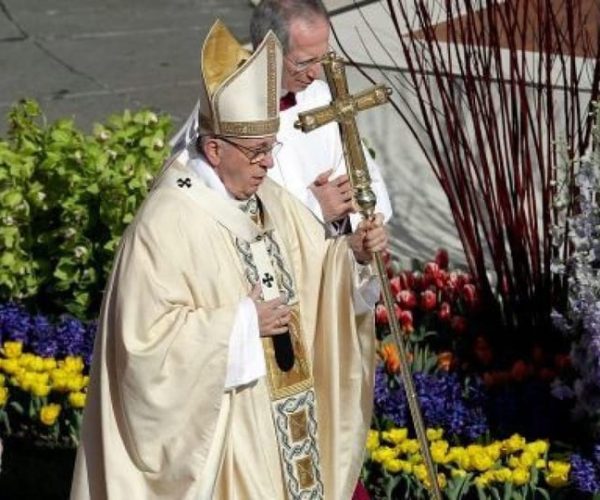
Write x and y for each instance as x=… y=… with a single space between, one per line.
x=167 y=214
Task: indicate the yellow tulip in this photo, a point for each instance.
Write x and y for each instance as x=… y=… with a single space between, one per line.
x=49 y=364
x=77 y=399
x=527 y=459
x=75 y=383
x=11 y=366
x=481 y=461
x=372 y=440
x=538 y=447
x=393 y=465
x=382 y=454
x=434 y=434
x=502 y=475
x=49 y=414
x=520 y=476
x=482 y=481
x=409 y=446
x=396 y=435
x=514 y=443
x=439 y=451
x=557 y=474
x=73 y=364
x=40 y=390
x=420 y=471
x=12 y=349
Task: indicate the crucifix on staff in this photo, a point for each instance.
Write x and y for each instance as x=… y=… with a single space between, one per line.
x=343 y=109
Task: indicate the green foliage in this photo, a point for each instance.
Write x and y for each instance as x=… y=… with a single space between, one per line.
x=65 y=200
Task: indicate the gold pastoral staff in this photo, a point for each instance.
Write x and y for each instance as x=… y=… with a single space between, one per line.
x=343 y=110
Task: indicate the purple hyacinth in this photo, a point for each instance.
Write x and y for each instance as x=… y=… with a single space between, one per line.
x=15 y=323
x=583 y=474
x=43 y=337
x=88 y=342
x=388 y=402
x=70 y=333
x=444 y=403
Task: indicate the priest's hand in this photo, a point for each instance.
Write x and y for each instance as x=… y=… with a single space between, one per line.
x=369 y=237
x=273 y=315
x=334 y=196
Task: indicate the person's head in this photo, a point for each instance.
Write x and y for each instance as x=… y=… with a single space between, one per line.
x=240 y=163
x=239 y=112
x=302 y=27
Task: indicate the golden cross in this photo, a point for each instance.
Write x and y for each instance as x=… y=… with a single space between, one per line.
x=343 y=109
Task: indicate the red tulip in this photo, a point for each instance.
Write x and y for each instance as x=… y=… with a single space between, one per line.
x=406 y=320
x=562 y=362
x=546 y=374
x=395 y=285
x=444 y=311
x=441 y=258
x=381 y=315
x=428 y=300
x=432 y=268
x=407 y=299
x=417 y=281
x=469 y=293
x=441 y=280
x=519 y=370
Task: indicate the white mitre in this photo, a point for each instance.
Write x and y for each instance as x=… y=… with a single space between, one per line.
x=239 y=93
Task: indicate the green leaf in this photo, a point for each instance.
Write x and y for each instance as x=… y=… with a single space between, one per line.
x=12 y=198
x=7 y=259
x=18 y=407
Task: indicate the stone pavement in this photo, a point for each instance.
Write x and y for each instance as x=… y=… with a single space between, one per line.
x=90 y=58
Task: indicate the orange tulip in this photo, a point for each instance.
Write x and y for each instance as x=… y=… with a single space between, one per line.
x=445 y=360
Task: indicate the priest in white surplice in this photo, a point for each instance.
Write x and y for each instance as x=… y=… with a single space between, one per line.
x=311 y=166
x=235 y=352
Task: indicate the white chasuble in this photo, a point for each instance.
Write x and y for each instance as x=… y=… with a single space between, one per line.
x=159 y=423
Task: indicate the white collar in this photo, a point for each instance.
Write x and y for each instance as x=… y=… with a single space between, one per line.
x=202 y=169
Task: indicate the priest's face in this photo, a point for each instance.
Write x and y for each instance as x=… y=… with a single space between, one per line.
x=308 y=43
x=243 y=163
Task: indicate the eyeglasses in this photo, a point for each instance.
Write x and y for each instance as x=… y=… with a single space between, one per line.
x=302 y=66
x=254 y=155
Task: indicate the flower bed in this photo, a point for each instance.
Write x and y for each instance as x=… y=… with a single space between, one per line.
x=494 y=426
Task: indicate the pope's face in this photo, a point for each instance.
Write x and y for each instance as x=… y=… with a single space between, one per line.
x=309 y=41
x=244 y=163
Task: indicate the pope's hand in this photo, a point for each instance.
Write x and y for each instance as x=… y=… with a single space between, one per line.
x=370 y=237
x=273 y=315
x=334 y=196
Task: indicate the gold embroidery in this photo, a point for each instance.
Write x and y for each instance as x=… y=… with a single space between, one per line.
x=241 y=129
x=304 y=470
x=272 y=101
x=261 y=128
x=298 y=425
x=298 y=379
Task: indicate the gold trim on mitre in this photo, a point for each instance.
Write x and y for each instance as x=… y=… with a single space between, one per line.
x=242 y=89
